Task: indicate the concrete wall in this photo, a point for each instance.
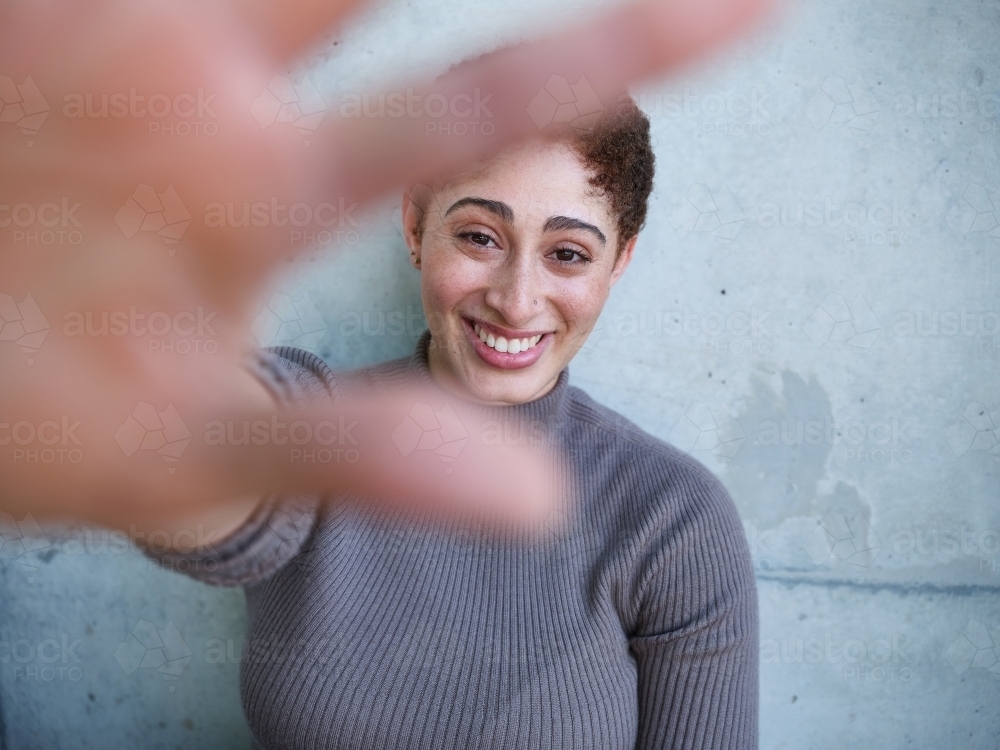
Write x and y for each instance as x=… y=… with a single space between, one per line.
x=841 y=374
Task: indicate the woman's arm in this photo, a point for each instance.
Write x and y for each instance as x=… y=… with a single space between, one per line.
x=695 y=640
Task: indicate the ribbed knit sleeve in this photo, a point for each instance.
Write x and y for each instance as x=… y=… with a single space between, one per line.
x=272 y=537
x=695 y=636
x=279 y=528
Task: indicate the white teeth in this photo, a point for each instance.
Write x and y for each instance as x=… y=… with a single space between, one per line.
x=501 y=344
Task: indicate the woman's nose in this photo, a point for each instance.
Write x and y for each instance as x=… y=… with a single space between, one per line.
x=515 y=294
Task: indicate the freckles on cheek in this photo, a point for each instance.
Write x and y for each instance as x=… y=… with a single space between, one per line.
x=444 y=288
x=580 y=304
x=458 y=278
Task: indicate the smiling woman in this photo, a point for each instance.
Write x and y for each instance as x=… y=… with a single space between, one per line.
x=632 y=625
x=518 y=256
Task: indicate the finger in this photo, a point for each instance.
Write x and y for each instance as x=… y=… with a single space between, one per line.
x=371 y=154
x=411 y=450
x=130 y=460
x=287 y=28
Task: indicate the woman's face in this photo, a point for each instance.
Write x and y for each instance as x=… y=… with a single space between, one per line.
x=516 y=262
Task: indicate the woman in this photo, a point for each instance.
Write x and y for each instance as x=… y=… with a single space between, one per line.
x=633 y=626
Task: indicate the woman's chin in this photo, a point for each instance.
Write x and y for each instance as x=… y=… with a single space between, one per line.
x=493 y=386
x=490 y=379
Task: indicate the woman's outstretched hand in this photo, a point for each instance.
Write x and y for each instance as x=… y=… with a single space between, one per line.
x=126 y=299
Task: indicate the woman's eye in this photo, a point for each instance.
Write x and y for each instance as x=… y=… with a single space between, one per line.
x=565 y=255
x=477 y=238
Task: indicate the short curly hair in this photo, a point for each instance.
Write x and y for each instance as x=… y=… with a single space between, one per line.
x=618 y=152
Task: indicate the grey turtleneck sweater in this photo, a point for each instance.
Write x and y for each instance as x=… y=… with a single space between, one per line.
x=634 y=627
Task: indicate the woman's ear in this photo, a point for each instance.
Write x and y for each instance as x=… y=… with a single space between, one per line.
x=623 y=259
x=413 y=214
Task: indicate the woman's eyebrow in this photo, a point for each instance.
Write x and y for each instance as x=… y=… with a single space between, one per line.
x=557 y=223
x=499 y=208
x=505 y=212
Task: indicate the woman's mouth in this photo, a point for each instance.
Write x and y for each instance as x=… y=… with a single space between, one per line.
x=508 y=352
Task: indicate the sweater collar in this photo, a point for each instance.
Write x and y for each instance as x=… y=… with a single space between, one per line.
x=546 y=410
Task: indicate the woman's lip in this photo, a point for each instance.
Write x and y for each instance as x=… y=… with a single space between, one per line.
x=505 y=360
x=507 y=333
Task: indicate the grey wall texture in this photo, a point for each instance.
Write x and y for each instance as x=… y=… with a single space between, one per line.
x=813 y=312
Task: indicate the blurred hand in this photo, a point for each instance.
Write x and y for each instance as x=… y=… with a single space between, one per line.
x=215 y=58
